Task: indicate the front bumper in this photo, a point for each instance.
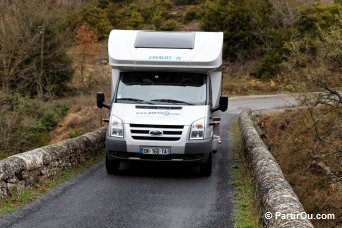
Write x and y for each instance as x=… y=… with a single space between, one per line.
x=196 y=151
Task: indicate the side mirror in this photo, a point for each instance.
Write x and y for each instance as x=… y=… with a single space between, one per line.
x=100 y=100
x=223 y=105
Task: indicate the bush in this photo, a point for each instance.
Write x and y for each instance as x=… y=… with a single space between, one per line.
x=319 y=16
x=49 y=116
x=187 y=2
x=192 y=13
x=134 y=15
x=56 y=70
x=75 y=133
x=269 y=65
x=313 y=20
x=168 y=25
x=97 y=19
x=33 y=48
x=240 y=24
x=25 y=123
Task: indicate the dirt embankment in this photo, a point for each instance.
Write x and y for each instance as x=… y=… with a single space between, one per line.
x=310 y=157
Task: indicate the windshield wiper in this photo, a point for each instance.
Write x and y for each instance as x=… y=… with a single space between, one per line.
x=172 y=101
x=134 y=100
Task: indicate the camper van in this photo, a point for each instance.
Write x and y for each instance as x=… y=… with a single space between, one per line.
x=166 y=87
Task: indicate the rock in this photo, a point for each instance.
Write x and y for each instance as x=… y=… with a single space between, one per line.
x=319 y=168
x=32 y=159
x=12 y=180
x=260 y=131
x=11 y=187
x=10 y=166
x=21 y=185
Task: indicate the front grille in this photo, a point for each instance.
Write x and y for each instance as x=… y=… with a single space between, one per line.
x=158 y=107
x=169 y=132
x=156 y=126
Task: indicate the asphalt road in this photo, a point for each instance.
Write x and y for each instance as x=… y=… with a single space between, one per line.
x=146 y=195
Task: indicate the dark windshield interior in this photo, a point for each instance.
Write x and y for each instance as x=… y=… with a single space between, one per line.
x=162 y=87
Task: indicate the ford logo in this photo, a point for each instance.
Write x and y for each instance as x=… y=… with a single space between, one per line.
x=155 y=132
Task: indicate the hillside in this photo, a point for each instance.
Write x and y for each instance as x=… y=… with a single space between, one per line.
x=60 y=48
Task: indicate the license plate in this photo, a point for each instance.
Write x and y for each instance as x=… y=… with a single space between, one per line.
x=155 y=150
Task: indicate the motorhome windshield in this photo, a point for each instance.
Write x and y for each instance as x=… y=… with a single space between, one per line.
x=162 y=88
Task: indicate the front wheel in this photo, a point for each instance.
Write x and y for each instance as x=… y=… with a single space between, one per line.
x=205 y=169
x=112 y=166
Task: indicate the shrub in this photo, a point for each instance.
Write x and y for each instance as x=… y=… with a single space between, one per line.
x=33 y=51
x=312 y=21
x=168 y=25
x=125 y=16
x=240 y=23
x=25 y=123
x=135 y=15
x=187 y=2
x=269 y=65
x=97 y=19
x=192 y=13
x=319 y=16
x=75 y=133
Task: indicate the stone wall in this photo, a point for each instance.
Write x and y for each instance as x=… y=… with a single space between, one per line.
x=274 y=192
x=29 y=168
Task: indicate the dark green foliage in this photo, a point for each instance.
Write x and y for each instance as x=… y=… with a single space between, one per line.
x=75 y=133
x=240 y=23
x=134 y=15
x=33 y=51
x=97 y=19
x=104 y=3
x=253 y=29
x=271 y=60
x=192 y=13
x=168 y=25
x=312 y=20
x=56 y=70
x=49 y=116
x=187 y=2
x=25 y=123
x=319 y=16
x=269 y=65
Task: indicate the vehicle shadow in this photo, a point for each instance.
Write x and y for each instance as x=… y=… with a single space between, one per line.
x=153 y=169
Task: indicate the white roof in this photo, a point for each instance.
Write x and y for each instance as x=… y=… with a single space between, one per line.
x=130 y=49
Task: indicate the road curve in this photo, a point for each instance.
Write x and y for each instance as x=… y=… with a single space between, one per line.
x=146 y=195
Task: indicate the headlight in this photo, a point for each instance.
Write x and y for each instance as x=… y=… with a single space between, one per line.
x=115 y=127
x=197 y=129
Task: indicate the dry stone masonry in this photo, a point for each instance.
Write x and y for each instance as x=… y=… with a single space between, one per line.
x=274 y=192
x=29 y=168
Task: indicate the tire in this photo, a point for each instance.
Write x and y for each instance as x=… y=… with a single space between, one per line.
x=205 y=169
x=112 y=166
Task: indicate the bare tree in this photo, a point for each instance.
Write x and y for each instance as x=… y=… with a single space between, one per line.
x=28 y=46
x=287 y=12
x=86 y=39
x=314 y=70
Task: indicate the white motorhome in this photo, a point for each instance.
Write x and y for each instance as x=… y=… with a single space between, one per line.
x=165 y=88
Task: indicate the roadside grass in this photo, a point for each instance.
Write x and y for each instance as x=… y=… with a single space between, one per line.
x=238 y=80
x=246 y=85
x=21 y=197
x=247 y=212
